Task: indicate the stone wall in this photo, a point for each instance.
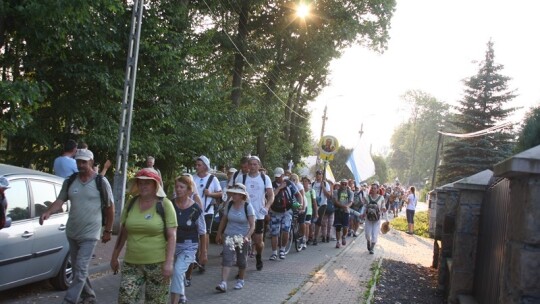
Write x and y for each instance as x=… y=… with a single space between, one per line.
x=521 y=267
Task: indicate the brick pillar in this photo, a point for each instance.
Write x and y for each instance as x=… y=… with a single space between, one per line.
x=520 y=280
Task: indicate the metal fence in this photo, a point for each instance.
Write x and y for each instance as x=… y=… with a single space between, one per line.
x=491 y=242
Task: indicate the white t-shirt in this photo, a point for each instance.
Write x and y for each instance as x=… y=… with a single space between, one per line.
x=214 y=186
x=320 y=193
x=411 y=202
x=256 y=189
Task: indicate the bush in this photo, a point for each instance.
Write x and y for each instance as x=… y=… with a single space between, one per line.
x=421 y=224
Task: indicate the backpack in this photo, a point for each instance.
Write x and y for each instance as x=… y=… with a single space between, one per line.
x=373 y=213
x=283 y=200
x=102 y=194
x=330 y=207
x=3 y=207
x=159 y=209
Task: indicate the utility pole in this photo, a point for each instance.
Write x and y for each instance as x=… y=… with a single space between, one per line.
x=439 y=142
x=124 y=129
x=324 y=118
x=361 y=132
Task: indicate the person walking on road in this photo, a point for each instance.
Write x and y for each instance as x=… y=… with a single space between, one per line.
x=372 y=212
x=259 y=189
x=411 y=207
x=148 y=229
x=209 y=190
x=343 y=199
x=190 y=233
x=83 y=228
x=323 y=193
x=234 y=232
x=281 y=212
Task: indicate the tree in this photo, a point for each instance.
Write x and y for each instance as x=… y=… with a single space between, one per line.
x=381 y=169
x=414 y=142
x=483 y=106
x=529 y=135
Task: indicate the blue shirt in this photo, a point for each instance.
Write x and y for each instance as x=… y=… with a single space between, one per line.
x=65 y=166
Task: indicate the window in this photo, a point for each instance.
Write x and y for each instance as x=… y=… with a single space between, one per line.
x=18 y=202
x=43 y=194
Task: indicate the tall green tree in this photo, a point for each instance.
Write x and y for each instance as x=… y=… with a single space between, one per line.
x=484 y=105
x=529 y=135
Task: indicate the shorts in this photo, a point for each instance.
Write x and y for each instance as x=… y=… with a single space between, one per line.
x=280 y=220
x=410 y=216
x=395 y=205
x=259 y=226
x=320 y=213
x=301 y=218
x=341 y=219
x=307 y=220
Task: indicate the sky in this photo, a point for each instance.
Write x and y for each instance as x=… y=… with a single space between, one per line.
x=433 y=47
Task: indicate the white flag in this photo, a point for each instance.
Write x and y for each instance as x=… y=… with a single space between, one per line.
x=360 y=163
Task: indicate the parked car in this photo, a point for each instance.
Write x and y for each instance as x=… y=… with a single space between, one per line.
x=30 y=252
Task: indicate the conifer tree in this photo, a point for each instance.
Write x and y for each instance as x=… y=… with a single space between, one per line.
x=483 y=106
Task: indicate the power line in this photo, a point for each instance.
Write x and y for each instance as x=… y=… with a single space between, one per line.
x=253 y=69
x=481 y=132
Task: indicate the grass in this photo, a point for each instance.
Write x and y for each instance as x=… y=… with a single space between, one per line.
x=421 y=224
x=376 y=275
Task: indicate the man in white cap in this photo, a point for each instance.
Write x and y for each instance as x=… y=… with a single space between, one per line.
x=261 y=196
x=83 y=228
x=4 y=184
x=150 y=162
x=209 y=190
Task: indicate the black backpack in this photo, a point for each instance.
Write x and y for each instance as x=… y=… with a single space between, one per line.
x=245 y=208
x=283 y=200
x=102 y=194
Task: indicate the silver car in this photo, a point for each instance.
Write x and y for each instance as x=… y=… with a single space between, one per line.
x=30 y=252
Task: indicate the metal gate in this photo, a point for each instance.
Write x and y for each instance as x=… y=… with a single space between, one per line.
x=491 y=242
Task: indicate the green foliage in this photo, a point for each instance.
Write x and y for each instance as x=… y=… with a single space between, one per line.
x=529 y=135
x=421 y=224
x=414 y=142
x=381 y=169
x=483 y=106
x=65 y=64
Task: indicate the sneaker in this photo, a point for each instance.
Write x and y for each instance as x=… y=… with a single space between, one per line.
x=304 y=246
x=187 y=282
x=222 y=287
x=282 y=255
x=314 y=243
x=309 y=241
x=343 y=242
x=239 y=284
x=259 y=264
x=349 y=234
x=356 y=234
x=333 y=239
x=338 y=245
x=273 y=257
x=371 y=251
x=182 y=300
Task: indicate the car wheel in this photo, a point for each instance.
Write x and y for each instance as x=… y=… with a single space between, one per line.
x=65 y=276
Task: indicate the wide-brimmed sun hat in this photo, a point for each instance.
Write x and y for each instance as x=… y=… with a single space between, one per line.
x=385 y=227
x=147 y=173
x=238 y=188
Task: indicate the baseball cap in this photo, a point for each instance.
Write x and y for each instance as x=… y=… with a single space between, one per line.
x=278 y=172
x=84 y=154
x=232 y=170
